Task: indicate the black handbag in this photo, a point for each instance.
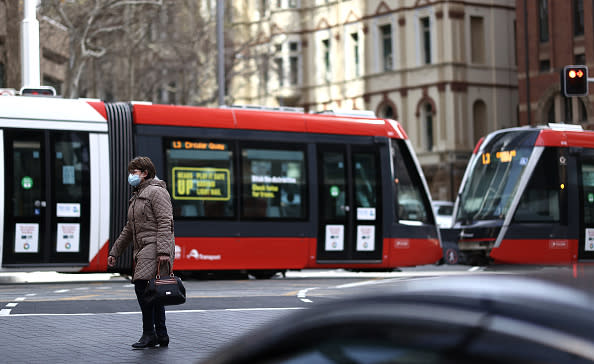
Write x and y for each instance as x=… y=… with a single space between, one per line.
x=168 y=291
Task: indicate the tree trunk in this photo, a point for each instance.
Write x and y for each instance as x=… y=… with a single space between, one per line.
x=14 y=16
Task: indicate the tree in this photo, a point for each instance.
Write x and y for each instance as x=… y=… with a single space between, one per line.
x=161 y=51
x=91 y=24
x=13 y=55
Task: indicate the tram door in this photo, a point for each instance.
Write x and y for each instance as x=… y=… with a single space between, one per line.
x=586 y=247
x=350 y=211
x=46 y=198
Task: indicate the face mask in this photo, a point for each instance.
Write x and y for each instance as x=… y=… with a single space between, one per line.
x=133 y=180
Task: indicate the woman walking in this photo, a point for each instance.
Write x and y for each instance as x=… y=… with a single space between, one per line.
x=150 y=229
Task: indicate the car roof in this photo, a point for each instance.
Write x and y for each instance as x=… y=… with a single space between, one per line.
x=464 y=319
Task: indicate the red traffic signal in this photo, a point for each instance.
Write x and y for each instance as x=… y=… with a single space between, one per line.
x=38 y=91
x=574 y=80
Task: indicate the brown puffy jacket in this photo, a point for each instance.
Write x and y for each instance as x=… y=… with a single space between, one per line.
x=149 y=227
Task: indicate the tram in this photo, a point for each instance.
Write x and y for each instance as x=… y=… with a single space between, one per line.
x=261 y=191
x=527 y=197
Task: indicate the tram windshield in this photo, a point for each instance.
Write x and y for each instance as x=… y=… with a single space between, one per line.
x=494 y=176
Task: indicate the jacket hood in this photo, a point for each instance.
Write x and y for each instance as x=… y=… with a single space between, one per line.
x=151 y=182
x=157 y=182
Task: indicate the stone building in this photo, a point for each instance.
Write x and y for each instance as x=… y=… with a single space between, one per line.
x=551 y=35
x=446 y=70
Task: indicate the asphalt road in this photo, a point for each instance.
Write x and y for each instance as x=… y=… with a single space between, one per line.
x=96 y=321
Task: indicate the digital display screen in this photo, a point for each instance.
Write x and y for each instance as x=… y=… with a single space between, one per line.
x=193 y=145
x=195 y=183
x=502 y=156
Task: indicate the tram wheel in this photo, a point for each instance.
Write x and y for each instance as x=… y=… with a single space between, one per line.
x=264 y=274
x=477 y=260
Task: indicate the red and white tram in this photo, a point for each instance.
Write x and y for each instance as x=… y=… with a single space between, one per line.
x=528 y=197
x=255 y=190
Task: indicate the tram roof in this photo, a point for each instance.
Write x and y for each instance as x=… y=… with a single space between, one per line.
x=49 y=109
x=235 y=118
x=553 y=135
x=565 y=135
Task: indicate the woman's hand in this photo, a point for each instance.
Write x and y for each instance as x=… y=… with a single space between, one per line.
x=163 y=258
x=111 y=260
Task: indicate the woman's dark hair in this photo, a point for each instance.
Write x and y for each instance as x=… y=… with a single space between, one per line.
x=144 y=164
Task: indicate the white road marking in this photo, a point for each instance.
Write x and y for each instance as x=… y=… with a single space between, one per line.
x=12 y=304
x=62 y=291
x=3 y=313
x=31 y=294
x=474 y=269
x=302 y=295
x=19 y=299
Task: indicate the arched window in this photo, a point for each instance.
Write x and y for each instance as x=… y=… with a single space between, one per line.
x=387 y=110
x=479 y=119
x=583 y=113
x=550 y=113
x=427 y=114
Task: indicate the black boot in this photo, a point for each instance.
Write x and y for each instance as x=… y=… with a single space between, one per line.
x=145 y=341
x=163 y=340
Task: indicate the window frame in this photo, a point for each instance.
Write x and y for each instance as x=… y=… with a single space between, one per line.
x=233 y=190
x=385 y=39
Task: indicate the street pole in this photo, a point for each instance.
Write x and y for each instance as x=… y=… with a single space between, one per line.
x=30 y=68
x=221 y=51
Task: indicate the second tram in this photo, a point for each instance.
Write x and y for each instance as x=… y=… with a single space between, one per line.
x=527 y=197
x=255 y=190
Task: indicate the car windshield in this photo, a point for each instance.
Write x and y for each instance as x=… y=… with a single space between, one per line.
x=494 y=176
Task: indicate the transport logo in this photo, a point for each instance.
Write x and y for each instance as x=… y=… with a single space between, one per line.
x=194 y=254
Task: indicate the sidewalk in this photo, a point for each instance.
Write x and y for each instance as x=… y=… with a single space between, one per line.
x=106 y=338
x=53 y=277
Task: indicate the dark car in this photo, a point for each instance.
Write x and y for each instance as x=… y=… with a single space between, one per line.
x=476 y=319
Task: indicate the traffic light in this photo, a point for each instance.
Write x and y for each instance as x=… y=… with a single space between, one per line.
x=38 y=91
x=574 y=80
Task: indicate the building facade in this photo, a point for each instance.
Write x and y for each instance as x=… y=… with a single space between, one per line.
x=550 y=35
x=446 y=70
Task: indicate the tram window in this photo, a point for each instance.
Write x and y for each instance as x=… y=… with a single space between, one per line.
x=365 y=180
x=200 y=175
x=588 y=191
x=273 y=183
x=412 y=201
x=540 y=201
x=26 y=173
x=71 y=163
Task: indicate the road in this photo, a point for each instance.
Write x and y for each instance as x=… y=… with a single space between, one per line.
x=97 y=321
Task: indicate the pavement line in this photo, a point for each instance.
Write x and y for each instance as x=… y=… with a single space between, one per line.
x=258 y=309
x=364 y=283
x=6 y=312
x=306 y=300
x=303 y=292
x=474 y=269
x=19 y=299
x=31 y=294
x=12 y=304
x=62 y=291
